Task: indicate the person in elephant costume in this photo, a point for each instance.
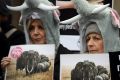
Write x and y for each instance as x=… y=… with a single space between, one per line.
x=104 y=18
x=87 y=70
x=33 y=62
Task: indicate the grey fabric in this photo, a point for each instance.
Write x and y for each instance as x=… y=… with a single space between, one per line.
x=103 y=19
x=92 y=28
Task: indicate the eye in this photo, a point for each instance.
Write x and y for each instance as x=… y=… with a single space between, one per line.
x=97 y=38
x=31 y=28
x=40 y=27
x=87 y=39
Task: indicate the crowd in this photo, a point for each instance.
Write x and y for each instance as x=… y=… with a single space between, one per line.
x=98 y=28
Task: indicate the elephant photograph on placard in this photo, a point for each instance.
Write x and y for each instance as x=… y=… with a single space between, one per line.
x=85 y=67
x=31 y=62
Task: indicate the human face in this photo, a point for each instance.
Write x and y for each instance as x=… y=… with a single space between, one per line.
x=94 y=43
x=37 y=32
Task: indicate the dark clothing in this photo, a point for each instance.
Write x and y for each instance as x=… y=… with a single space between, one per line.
x=14 y=35
x=16 y=38
x=4 y=49
x=61 y=50
x=4 y=45
x=3 y=9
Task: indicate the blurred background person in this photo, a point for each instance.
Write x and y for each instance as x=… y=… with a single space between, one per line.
x=13 y=34
x=9 y=35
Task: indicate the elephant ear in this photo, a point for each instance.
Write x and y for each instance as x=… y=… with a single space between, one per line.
x=56 y=15
x=115 y=18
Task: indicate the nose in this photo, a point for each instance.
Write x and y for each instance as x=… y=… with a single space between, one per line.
x=36 y=30
x=90 y=43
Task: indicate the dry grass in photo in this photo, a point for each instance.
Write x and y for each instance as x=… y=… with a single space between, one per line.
x=13 y=74
x=66 y=73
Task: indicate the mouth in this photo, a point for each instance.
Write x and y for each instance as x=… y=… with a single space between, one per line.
x=93 y=51
x=37 y=38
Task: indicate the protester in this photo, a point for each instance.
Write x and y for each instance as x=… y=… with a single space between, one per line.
x=9 y=35
x=42 y=27
x=13 y=34
x=106 y=19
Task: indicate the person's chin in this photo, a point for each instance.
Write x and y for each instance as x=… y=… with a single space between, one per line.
x=38 y=42
x=93 y=51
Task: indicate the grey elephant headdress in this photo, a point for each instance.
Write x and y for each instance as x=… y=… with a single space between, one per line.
x=106 y=19
x=46 y=12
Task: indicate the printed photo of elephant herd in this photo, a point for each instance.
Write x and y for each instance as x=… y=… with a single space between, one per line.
x=36 y=62
x=85 y=67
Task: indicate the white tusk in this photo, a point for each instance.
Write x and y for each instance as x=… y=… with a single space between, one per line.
x=99 y=9
x=18 y=8
x=46 y=7
x=71 y=20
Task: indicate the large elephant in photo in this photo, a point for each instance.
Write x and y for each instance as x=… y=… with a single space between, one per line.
x=84 y=71
x=89 y=71
x=32 y=62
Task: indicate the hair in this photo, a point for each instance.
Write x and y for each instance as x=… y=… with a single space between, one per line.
x=92 y=27
x=29 y=21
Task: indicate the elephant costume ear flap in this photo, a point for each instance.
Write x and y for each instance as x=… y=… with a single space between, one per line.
x=27 y=38
x=56 y=15
x=115 y=18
